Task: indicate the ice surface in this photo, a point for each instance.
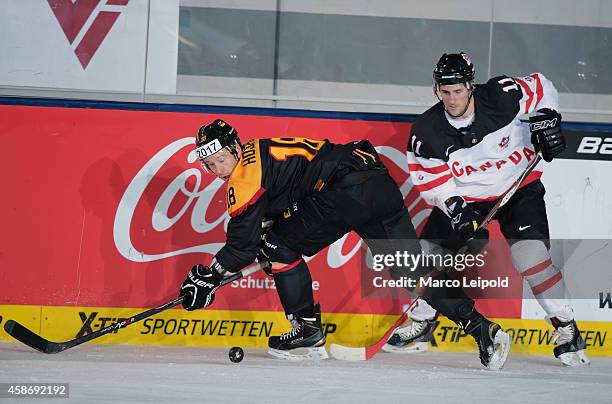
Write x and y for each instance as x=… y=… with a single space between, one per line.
x=155 y=374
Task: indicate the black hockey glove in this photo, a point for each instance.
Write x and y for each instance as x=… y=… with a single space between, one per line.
x=262 y=256
x=263 y=259
x=199 y=287
x=546 y=134
x=464 y=220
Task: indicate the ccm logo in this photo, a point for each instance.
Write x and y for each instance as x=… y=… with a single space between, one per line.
x=551 y=123
x=595 y=145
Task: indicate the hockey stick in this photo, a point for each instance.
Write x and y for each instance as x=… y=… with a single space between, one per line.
x=508 y=194
x=345 y=353
x=33 y=340
x=504 y=198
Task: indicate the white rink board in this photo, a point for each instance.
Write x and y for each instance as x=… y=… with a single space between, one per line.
x=579 y=198
x=40 y=54
x=579 y=206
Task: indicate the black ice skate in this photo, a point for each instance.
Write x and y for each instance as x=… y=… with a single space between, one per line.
x=493 y=343
x=411 y=338
x=306 y=339
x=570 y=346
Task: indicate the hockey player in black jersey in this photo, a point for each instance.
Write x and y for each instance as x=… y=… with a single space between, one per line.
x=308 y=193
x=467 y=150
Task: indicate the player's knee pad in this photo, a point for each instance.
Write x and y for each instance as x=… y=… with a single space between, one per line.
x=294 y=286
x=275 y=249
x=533 y=261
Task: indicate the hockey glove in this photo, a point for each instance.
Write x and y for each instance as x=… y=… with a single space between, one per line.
x=546 y=134
x=199 y=287
x=263 y=259
x=464 y=221
x=262 y=256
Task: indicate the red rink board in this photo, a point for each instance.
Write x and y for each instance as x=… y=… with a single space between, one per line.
x=104 y=208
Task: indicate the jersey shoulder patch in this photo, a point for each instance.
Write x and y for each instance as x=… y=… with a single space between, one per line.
x=244 y=186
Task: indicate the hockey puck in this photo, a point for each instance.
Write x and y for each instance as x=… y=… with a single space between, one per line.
x=236 y=354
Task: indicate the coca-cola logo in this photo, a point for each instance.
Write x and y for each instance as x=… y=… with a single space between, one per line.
x=196 y=197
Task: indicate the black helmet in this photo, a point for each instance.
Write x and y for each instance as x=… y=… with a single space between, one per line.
x=454 y=68
x=214 y=137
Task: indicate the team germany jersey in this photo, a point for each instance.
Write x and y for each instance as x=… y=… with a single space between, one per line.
x=276 y=165
x=270 y=175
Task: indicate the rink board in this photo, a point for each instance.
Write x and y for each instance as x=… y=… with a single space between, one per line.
x=252 y=328
x=132 y=212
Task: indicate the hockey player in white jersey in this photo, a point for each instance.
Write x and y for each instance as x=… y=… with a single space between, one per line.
x=463 y=153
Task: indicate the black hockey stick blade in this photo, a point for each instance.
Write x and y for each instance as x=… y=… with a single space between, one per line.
x=33 y=340
x=24 y=335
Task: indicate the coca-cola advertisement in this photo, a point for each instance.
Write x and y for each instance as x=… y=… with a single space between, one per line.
x=110 y=208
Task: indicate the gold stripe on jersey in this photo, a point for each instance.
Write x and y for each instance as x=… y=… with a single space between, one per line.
x=244 y=186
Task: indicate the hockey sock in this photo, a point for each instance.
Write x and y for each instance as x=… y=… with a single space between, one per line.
x=294 y=286
x=532 y=259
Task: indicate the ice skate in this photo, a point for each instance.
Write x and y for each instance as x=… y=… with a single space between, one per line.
x=306 y=339
x=493 y=343
x=413 y=337
x=570 y=346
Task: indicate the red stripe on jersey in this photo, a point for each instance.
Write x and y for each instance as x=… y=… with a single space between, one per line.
x=544 y=286
x=420 y=206
x=431 y=170
x=412 y=196
x=254 y=199
x=539 y=88
x=434 y=183
x=286 y=267
x=420 y=227
x=487 y=199
x=537 y=268
x=534 y=175
x=528 y=91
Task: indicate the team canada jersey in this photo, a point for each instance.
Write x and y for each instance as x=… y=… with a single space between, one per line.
x=481 y=161
x=270 y=175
